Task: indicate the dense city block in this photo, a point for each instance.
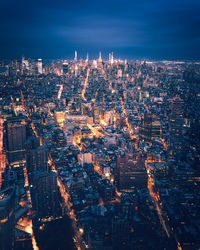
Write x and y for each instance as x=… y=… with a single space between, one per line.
x=99 y=154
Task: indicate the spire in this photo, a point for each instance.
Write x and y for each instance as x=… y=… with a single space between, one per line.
x=100 y=58
x=87 y=58
x=112 y=58
x=75 y=56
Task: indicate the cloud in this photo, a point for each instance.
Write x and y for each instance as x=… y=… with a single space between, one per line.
x=146 y=27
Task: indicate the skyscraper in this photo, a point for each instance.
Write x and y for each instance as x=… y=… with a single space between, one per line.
x=176 y=126
x=39 y=66
x=150 y=127
x=100 y=58
x=75 y=56
x=87 y=58
x=7 y=218
x=15 y=139
x=24 y=66
x=96 y=114
x=130 y=172
x=46 y=192
x=65 y=68
x=2 y=153
x=111 y=58
x=36 y=156
x=120 y=235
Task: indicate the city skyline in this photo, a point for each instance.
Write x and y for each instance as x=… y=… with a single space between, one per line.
x=86 y=57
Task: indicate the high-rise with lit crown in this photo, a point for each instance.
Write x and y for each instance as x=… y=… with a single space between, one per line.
x=40 y=66
x=65 y=68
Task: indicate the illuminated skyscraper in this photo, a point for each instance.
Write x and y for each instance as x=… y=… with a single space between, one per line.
x=25 y=65
x=111 y=58
x=96 y=114
x=76 y=70
x=150 y=127
x=65 y=68
x=119 y=73
x=39 y=66
x=87 y=58
x=15 y=139
x=100 y=58
x=75 y=56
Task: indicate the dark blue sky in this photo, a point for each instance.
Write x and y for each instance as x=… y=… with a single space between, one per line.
x=154 y=29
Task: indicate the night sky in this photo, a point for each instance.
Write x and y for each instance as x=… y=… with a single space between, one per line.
x=131 y=29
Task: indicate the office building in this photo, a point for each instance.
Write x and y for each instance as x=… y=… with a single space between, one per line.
x=176 y=126
x=150 y=127
x=40 y=66
x=96 y=114
x=46 y=195
x=65 y=68
x=24 y=66
x=15 y=139
x=100 y=58
x=120 y=233
x=130 y=172
x=36 y=156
